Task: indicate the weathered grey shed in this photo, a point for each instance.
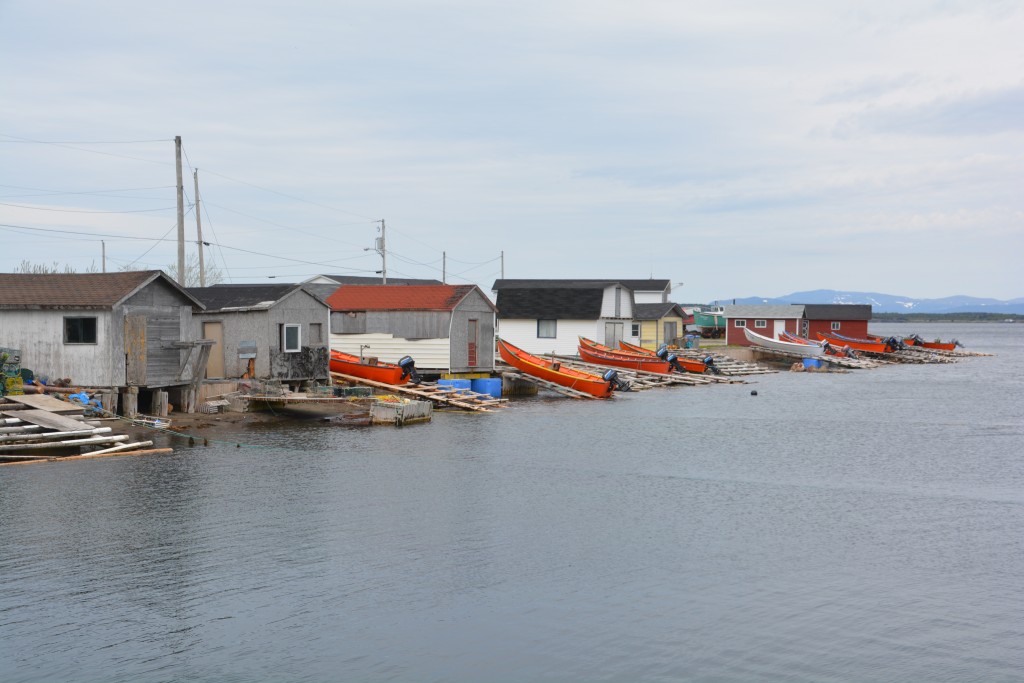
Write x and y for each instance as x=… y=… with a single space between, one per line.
x=100 y=329
x=264 y=331
x=445 y=328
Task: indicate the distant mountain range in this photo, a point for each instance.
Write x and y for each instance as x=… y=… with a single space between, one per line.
x=890 y=303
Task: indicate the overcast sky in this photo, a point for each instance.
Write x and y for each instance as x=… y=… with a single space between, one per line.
x=734 y=148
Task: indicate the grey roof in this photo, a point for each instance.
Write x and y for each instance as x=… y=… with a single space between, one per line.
x=649 y=285
x=242 y=297
x=837 y=311
x=775 y=311
x=657 y=311
x=362 y=280
x=559 y=303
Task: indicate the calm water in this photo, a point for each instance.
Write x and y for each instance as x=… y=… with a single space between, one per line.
x=842 y=527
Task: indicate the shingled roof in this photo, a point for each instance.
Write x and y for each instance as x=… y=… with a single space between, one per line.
x=556 y=303
x=242 y=297
x=94 y=291
x=649 y=285
x=405 y=298
x=837 y=311
x=659 y=311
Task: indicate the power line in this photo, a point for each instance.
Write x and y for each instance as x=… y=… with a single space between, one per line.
x=42 y=208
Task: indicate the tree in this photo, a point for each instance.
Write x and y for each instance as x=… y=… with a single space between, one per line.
x=29 y=268
x=214 y=275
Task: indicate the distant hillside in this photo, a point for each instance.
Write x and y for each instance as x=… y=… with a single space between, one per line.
x=890 y=303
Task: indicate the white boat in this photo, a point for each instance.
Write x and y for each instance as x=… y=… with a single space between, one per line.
x=803 y=350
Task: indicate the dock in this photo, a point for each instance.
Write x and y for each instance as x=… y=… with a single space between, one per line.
x=447 y=396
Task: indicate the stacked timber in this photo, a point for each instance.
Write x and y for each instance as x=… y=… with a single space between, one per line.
x=34 y=427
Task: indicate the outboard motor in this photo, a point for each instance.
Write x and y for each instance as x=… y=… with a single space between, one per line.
x=671 y=358
x=709 y=366
x=409 y=369
x=612 y=377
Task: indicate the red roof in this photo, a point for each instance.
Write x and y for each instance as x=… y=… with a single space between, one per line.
x=398 y=297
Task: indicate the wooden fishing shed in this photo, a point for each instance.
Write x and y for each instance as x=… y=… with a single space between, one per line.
x=445 y=328
x=123 y=330
x=264 y=331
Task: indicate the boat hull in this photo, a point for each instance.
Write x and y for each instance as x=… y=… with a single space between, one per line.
x=856 y=344
x=347 y=364
x=548 y=370
x=688 y=364
x=630 y=361
x=938 y=346
x=797 y=348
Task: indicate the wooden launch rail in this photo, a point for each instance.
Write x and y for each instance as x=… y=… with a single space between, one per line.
x=441 y=395
x=519 y=376
x=643 y=379
x=859 y=363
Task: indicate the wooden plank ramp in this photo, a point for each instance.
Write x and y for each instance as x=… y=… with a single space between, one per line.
x=859 y=363
x=727 y=365
x=441 y=395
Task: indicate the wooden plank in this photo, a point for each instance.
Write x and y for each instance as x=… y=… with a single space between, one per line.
x=50 y=436
x=47 y=403
x=63 y=444
x=47 y=419
x=429 y=392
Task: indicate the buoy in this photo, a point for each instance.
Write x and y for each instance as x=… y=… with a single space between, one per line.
x=754 y=392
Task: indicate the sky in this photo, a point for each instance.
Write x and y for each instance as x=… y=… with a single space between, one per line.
x=733 y=148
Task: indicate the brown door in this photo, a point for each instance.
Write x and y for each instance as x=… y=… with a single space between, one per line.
x=471 y=347
x=135 y=349
x=215 y=365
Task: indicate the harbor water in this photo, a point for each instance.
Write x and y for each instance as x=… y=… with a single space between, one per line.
x=860 y=526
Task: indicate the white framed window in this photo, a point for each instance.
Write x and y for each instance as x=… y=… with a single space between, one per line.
x=835 y=327
x=739 y=323
x=291 y=338
x=760 y=323
x=547 y=329
x=635 y=330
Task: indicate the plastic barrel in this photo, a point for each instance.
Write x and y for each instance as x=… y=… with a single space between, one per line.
x=458 y=385
x=812 y=363
x=488 y=385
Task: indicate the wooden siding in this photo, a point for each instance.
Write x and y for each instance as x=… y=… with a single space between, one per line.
x=406 y=324
x=431 y=355
x=264 y=327
x=40 y=336
x=474 y=306
x=625 y=302
x=847 y=328
x=523 y=333
x=735 y=337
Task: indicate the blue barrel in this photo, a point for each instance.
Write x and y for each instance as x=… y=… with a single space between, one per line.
x=812 y=363
x=457 y=384
x=488 y=385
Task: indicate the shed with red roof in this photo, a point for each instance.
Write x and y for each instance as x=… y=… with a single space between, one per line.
x=445 y=328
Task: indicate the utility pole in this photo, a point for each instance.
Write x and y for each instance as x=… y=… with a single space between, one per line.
x=444 y=267
x=104 y=255
x=383 y=251
x=502 y=264
x=181 y=211
x=199 y=233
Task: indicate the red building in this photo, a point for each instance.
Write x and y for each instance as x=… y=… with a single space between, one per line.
x=849 y=320
x=805 y=320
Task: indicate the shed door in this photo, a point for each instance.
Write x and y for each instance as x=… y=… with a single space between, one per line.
x=612 y=334
x=135 y=349
x=780 y=327
x=670 y=332
x=215 y=365
x=471 y=338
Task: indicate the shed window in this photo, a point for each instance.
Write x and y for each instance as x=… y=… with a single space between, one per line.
x=547 y=329
x=79 y=330
x=636 y=330
x=760 y=323
x=835 y=327
x=740 y=323
x=290 y=338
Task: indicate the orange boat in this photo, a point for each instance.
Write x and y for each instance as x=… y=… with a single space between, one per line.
x=631 y=361
x=633 y=348
x=388 y=373
x=915 y=340
x=684 y=363
x=550 y=370
x=869 y=345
